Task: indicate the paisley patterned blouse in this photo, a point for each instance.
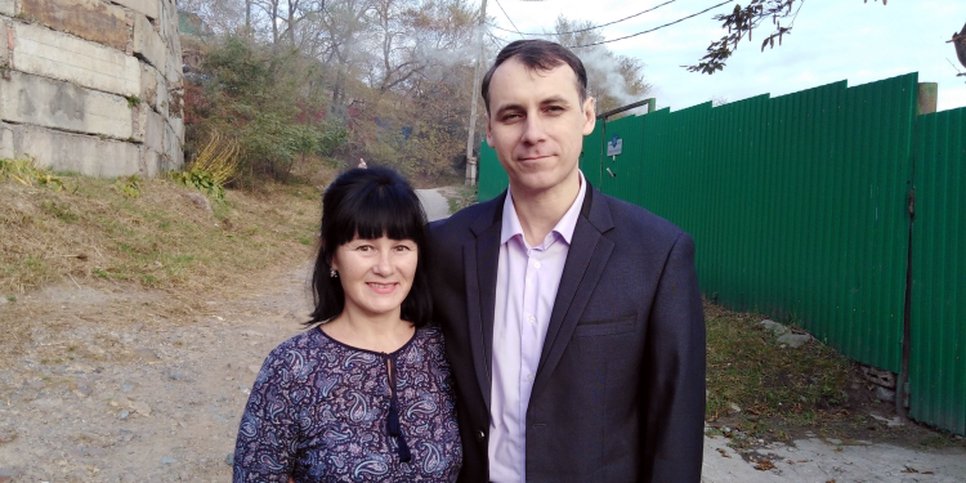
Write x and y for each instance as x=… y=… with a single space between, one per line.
x=324 y=411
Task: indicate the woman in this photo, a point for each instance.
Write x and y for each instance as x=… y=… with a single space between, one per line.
x=366 y=394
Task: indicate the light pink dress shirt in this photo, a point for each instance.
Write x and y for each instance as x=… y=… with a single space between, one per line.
x=526 y=286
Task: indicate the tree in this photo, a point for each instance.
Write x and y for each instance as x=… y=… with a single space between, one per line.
x=395 y=73
x=742 y=21
x=418 y=74
x=221 y=16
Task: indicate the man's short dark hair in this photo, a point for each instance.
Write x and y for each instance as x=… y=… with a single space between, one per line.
x=537 y=54
x=370 y=203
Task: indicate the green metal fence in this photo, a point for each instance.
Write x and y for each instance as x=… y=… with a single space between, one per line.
x=937 y=382
x=799 y=209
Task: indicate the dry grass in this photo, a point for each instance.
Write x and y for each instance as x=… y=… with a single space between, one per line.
x=137 y=247
x=165 y=236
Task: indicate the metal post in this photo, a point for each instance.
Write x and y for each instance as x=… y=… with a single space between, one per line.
x=926 y=104
x=471 y=161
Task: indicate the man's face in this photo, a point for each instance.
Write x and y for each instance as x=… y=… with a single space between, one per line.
x=537 y=125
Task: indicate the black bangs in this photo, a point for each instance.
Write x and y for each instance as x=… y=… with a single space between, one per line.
x=370 y=203
x=382 y=205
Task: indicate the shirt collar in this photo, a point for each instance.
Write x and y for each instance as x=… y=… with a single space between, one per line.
x=564 y=228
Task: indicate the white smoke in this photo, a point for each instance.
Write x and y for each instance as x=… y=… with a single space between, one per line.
x=603 y=75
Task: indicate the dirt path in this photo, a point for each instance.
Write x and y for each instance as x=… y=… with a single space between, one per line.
x=116 y=385
x=434 y=203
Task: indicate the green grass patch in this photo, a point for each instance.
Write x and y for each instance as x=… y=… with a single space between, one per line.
x=768 y=389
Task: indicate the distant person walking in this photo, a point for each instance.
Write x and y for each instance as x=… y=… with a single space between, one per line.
x=362 y=164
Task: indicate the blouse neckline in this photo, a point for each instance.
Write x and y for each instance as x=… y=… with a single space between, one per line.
x=370 y=351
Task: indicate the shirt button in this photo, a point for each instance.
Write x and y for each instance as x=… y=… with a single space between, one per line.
x=536 y=264
x=531 y=319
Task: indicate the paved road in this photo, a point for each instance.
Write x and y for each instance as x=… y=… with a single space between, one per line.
x=434 y=203
x=816 y=460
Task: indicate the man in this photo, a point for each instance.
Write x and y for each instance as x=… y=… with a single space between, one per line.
x=573 y=320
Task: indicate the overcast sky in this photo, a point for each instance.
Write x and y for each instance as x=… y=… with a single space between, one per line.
x=832 y=40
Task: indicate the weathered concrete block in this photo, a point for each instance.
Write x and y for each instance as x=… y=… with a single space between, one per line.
x=70 y=73
x=4 y=45
x=175 y=98
x=169 y=23
x=165 y=97
x=93 y=20
x=6 y=140
x=151 y=163
x=177 y=125
x=174 y=70
x=45 y=102
x=88 y=155
x=8 y=7
x=149 y=86
x=165 y=106
x=148 y=8
x=173 y=148
x=40 y=51
x=149 y=127
x=148 y=44
x=155 y=92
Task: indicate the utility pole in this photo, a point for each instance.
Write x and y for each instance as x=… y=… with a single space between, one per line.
x=471 y=161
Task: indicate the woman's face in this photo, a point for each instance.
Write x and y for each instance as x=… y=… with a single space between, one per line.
x=376 y=274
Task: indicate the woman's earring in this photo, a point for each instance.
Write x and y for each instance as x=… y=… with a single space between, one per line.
x=333 y=273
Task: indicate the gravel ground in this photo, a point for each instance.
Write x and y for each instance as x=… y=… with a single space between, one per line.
x=116 y=385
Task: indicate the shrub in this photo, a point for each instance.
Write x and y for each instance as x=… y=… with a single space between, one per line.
x=212 y=168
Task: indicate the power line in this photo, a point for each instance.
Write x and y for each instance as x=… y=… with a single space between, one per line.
x=659 y=27
x=499 y=40
x=587 y=29
x=515 y=29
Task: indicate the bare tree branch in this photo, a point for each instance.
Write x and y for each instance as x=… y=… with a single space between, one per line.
x=742 y=21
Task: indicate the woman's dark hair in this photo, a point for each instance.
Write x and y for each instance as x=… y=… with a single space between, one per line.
x=537 y=54
x=369 y=203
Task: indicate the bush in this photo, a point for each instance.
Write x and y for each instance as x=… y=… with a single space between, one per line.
x=214 y=167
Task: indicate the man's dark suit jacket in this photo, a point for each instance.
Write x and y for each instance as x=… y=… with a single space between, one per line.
x=619 y=393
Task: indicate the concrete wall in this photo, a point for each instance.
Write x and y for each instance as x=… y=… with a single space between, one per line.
x=92 y=86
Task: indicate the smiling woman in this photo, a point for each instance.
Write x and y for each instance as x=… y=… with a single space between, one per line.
x=366 y=394
x=377 y=274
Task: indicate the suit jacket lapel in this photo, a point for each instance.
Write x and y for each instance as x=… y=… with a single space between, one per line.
x=586 y=259
x=480 y=260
